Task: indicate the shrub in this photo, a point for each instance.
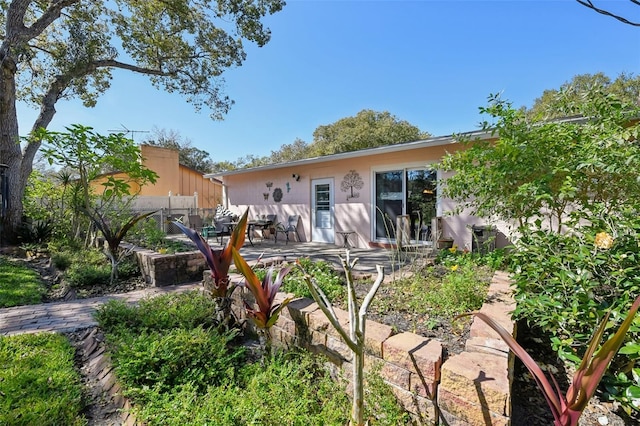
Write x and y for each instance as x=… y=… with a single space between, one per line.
x=147 y=233
x=87 y=275
x=566 y=283
x=186 y=310
x=61 y=260
x=128 y=268
x=292 y=389
x=164 y=360
x=327 y=278
x=460 y=291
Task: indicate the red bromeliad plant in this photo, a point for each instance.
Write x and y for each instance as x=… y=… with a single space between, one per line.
x=567 y=409
x=264 y=293
x=219 y=262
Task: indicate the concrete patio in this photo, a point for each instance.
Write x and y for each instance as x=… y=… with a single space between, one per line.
x=367 y=258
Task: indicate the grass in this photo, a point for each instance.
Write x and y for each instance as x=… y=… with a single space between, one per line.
x=38 y=382
x=177 y=373
x=19 y=285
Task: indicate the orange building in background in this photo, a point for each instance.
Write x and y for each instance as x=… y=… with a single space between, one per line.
x=174 y=178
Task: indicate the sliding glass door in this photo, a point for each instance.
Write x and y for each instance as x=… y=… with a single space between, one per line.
x=408 y=192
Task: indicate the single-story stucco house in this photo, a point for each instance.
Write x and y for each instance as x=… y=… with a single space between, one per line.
x=363 y=191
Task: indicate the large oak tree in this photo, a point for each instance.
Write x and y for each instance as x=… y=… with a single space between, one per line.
x=63 y=49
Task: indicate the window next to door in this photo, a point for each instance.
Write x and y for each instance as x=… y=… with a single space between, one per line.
x=411 y=192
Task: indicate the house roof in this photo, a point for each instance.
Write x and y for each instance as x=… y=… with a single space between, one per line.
x=435 y=141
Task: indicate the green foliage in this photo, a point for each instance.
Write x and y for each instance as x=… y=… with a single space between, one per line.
x=331 y=283
x=128 y=267
x=61 y=260
x=434 y=294
x=180 y=373
x=292 y=389
x=368 y=129
x=19 y=285
x=168 y=341
x=53 y=198
x=87 y=275
x=176 y=311
x=550 y=174
x=90 y=155
x=567 y=408
x=381 y=404
x=166 y=359
x=39 y=383
x=568 y=184
x=147 y=233
x=566 y=284
x=458 y=292
x=75 y=46
x=38 y=232
x=625 y=87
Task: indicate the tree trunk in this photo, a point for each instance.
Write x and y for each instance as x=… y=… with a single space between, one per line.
x=10 y=154
x=19 y=160
x=357 y=408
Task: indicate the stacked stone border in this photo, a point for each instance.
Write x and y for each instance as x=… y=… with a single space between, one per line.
x=470 y=388
x=101 y=378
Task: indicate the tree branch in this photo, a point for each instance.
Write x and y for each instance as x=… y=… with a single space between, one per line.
x=590 y=5
x=16 y=14
x=111 y=63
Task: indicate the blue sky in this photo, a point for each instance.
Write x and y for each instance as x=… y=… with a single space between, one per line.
x=432 y=63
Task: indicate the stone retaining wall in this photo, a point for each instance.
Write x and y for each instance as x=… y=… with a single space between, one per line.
x=160 y=270
x=471 y=388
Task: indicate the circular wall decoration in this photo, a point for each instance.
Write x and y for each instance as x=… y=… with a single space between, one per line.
x=277 y=195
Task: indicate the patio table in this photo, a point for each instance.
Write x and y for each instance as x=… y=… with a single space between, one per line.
x=345 y=236
x=251 y=226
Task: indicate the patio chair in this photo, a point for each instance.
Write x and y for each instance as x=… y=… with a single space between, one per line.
x=221 y=228
x=271 y=228
x=291 y=226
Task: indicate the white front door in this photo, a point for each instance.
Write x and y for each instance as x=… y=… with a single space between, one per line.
x=322 y=229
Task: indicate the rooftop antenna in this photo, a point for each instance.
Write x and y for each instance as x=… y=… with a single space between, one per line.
x=126 y=131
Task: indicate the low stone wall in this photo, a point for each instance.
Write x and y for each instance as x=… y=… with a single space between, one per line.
x=160 y=270
x=471 y=388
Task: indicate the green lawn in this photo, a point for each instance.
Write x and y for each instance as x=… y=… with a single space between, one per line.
x=38 y=382
x=19 y=285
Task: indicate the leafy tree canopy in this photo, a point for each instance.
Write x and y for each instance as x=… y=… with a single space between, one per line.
x=189 y=155
x=551 y=172
x=574 y=93
x=368 y=129
x=63 y=49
